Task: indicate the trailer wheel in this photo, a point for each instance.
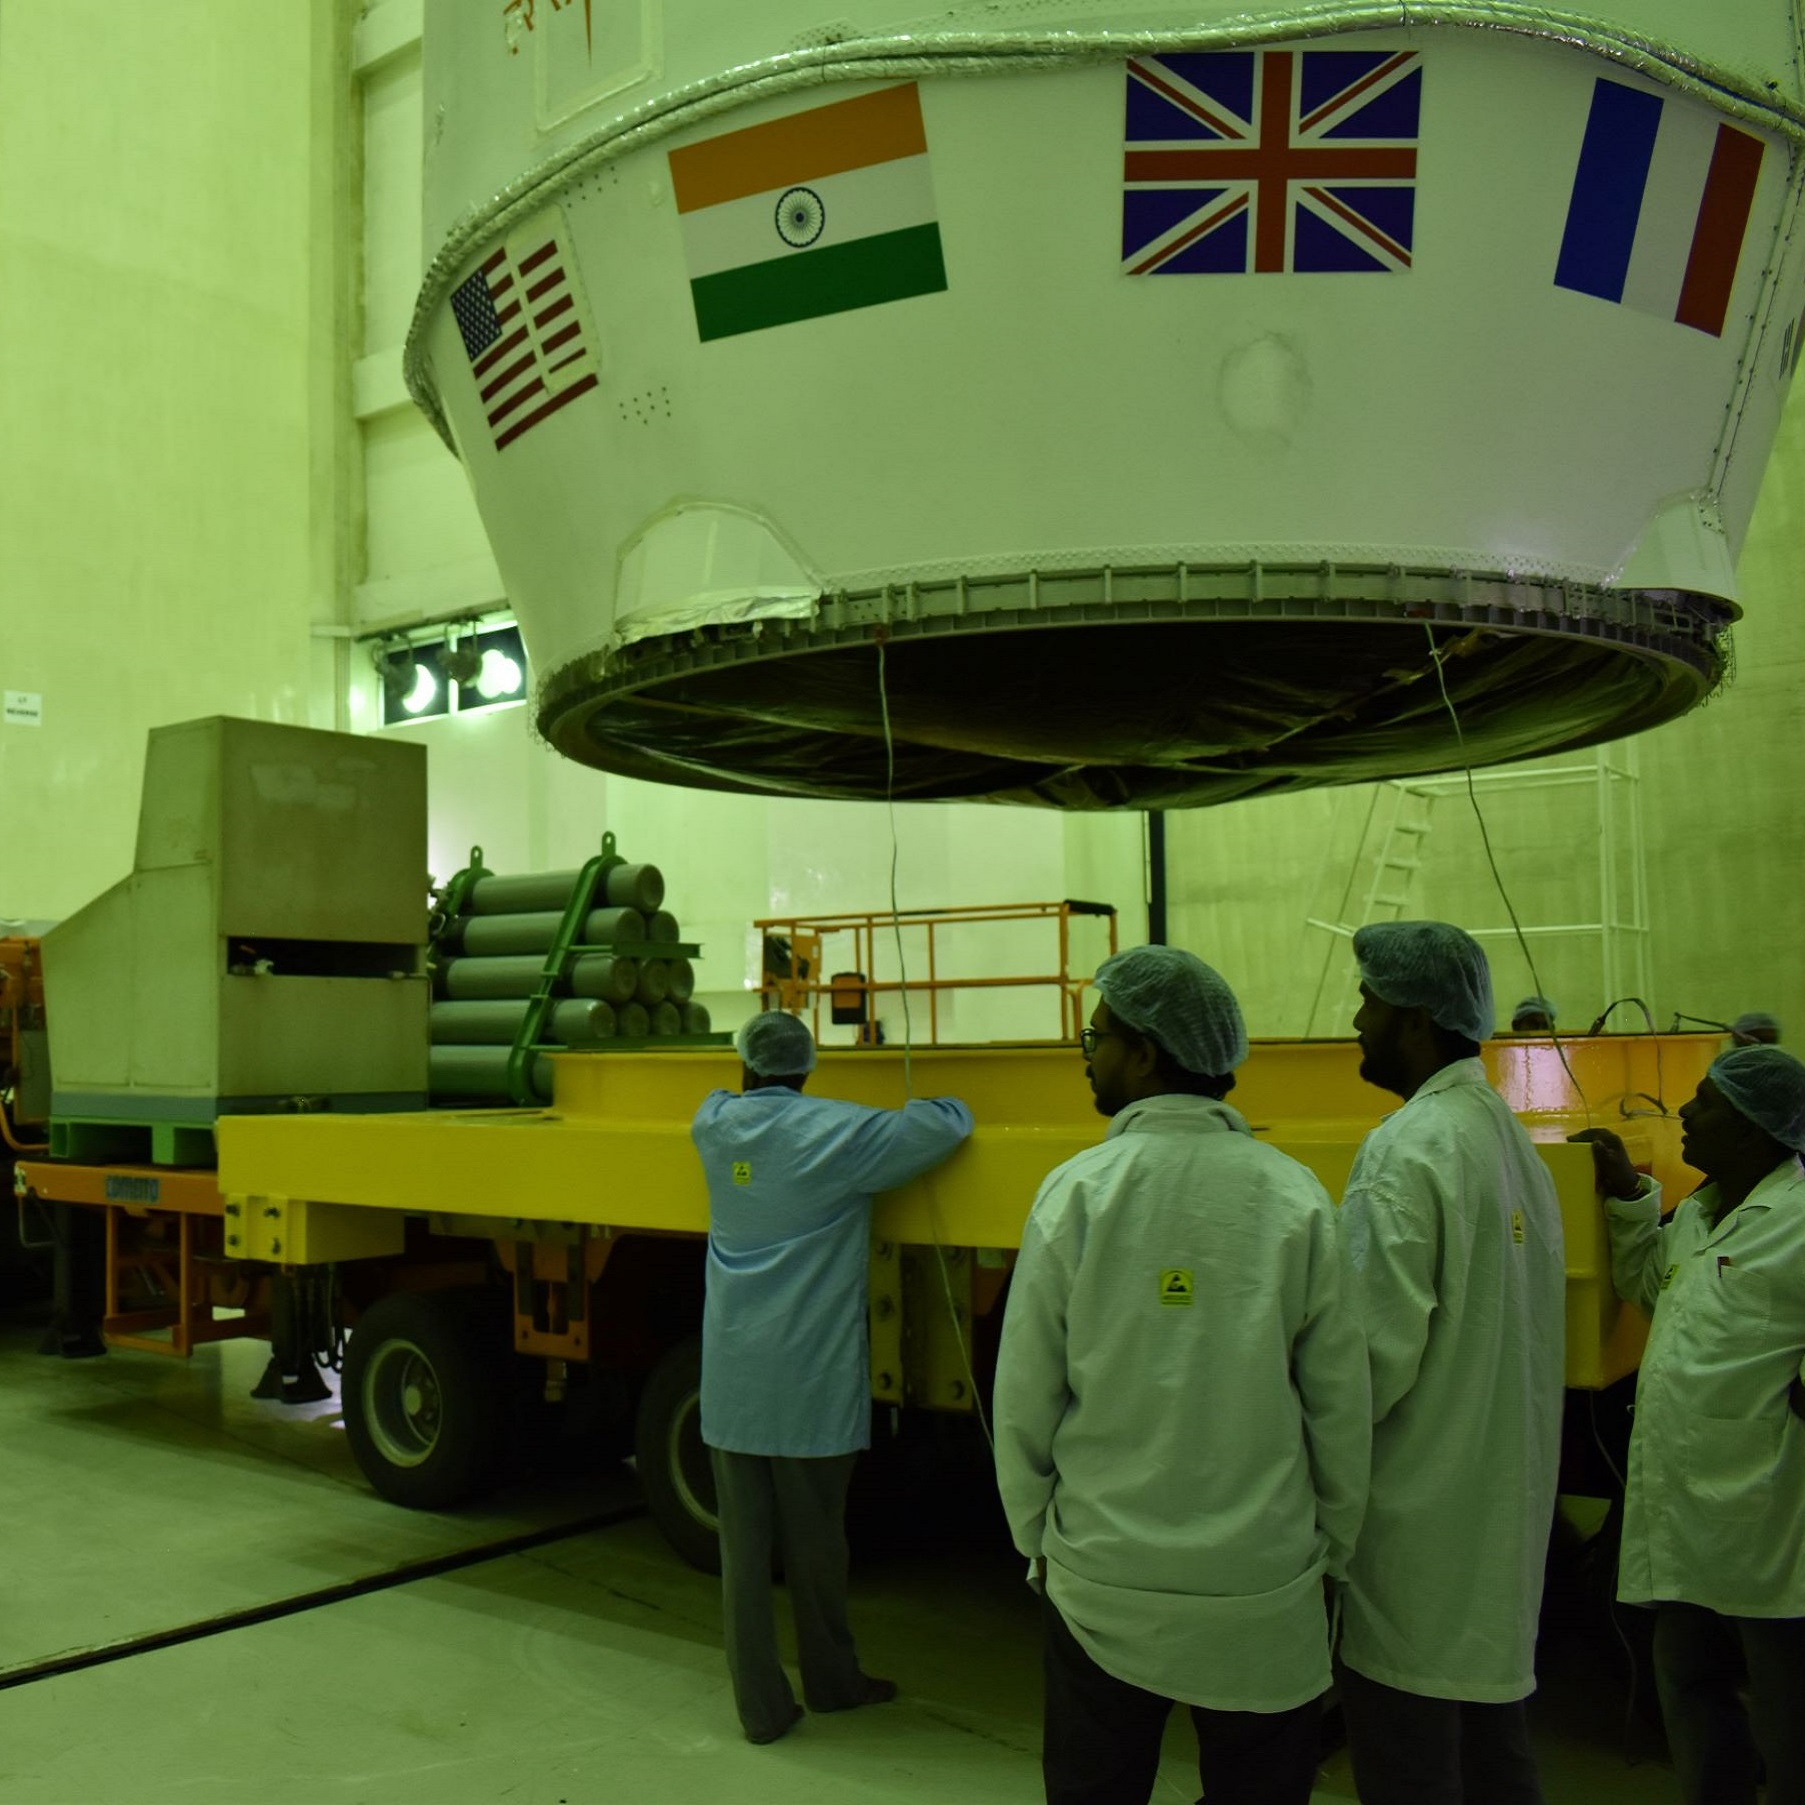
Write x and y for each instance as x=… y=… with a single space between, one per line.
x=422 y=1392
x=674 y=1467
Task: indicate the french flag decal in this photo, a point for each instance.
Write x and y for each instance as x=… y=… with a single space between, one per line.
x=1660 y=207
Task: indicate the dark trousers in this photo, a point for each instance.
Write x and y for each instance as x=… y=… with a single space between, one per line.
x=1699 y=1659
x=1411 y=1750
x=1100 y=1744
x=768 y=1504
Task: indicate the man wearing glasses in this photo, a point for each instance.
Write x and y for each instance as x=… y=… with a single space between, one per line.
x=1182 y=1413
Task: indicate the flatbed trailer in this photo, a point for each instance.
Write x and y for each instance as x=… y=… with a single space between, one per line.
x=475 y=1254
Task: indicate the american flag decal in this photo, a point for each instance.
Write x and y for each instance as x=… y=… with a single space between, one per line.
x=1269 y=161
x=523 y=332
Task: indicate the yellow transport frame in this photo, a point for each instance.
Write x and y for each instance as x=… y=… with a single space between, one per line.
x=556 y=1189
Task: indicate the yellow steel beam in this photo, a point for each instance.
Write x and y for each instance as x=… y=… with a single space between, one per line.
x=615 y=1150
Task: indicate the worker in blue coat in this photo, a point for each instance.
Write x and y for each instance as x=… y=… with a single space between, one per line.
x=786 y=1383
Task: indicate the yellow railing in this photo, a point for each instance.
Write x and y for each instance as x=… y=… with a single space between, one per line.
x=799 y=950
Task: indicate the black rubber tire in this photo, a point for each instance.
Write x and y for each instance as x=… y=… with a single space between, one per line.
x=673 y=1463
x=423 y=1392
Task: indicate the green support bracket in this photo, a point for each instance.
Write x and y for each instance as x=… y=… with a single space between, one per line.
x=180 y=1144
x=454 y=901
x=90 y=1142
x=457 y=892
x=565 y=946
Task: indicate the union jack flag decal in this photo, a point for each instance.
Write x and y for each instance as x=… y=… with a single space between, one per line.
x=1270 y=160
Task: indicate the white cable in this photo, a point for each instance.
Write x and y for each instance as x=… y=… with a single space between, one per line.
x=902 y=968
x=902 y=972
x=1460 y=739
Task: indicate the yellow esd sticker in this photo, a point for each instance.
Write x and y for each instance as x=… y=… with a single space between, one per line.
x=1516 y=1226
x=742 y=1171
x=1177 y=1289
x=1669 y=1276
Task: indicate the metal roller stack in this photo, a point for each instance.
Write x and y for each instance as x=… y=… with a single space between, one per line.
x=554 y=961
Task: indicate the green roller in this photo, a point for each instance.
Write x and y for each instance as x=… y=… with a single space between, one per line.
x=681 y=976
x=479 y=1072
x=667 y=1019
x=474 y=980
x=614 y=927
x=654 y=983
x=489 y=936
x=695 y=1019
x=662 y=929
x=522 y=895
x=579 y=1020
x=486 y=936
x=582 y=1021
x=480 y=1024
x=602 y=975
x=638 y=887
x=634 y=1021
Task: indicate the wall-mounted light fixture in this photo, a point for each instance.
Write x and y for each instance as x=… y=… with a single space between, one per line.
x=449 y=671
x=462 y=658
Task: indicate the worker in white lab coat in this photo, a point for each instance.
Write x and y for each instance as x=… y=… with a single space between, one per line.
x=1755 y=1028
x=1454 y=1233
x=1714 y=1517
x=1533 y=1015
x=786 y=1386
x=1182 y=1421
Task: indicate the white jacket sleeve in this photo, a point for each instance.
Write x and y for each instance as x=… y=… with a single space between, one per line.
x=1394 y=1244
x=1328 y=1364
x=1638 y=1246
x=1031 y=1391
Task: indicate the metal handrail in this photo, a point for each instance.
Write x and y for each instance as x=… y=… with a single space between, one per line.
x=804 y=991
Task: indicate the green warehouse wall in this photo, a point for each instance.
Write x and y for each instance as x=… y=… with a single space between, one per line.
x=1722 y=822
x=181 y=533
x=172 y=484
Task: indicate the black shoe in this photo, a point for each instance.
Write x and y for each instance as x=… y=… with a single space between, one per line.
x=765 y=1736
x=305 y=1387
x=877 y=1692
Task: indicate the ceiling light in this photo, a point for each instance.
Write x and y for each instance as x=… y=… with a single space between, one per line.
x=500 y=676
x=424 y=691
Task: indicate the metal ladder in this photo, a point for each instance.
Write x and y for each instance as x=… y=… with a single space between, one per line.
x=1402 y=812
x=1404 y=808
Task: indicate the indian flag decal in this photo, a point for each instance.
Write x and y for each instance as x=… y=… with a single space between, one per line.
x=818 y=213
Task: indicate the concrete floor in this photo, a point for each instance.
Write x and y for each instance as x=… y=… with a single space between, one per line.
x=140 y=1495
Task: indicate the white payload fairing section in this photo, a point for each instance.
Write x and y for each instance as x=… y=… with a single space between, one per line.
x=1169 y=402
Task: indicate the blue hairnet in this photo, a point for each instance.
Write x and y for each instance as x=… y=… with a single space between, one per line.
x=1532 y=1006
x=1767 y=1085
x=1173 y=998
x=1752 y=1023
x=776 y=1045
x=1429 y=965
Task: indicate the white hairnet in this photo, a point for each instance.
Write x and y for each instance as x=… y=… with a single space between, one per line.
x=1429 y=965
x=1754 y=1025
x=776 y=1045
x=1532 y=1006
x=1766 y=1084
x=1173 y=998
